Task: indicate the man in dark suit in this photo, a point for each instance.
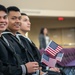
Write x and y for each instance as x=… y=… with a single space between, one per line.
x=14 y=18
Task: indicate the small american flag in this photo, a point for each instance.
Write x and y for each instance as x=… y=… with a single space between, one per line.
x=50 y=62
x=53 y=48
x=59 y=56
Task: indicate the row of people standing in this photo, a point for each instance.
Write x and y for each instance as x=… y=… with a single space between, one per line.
x=18 y=55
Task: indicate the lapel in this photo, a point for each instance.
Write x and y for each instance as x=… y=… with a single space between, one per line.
x=37 y=51
x=6 y=45
x=28 y=47
x=31 y=45
x=26 y=42
x=11 y=49
x=13 y=37
x=10 y=35
x=23 y=47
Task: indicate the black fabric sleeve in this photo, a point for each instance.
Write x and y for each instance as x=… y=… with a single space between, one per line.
x=10 y=69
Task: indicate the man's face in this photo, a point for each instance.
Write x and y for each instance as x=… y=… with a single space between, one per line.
x=3 y=21
x=14 y=21
x=25 y=23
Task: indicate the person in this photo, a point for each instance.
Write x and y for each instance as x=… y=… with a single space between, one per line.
x=3 y=25
x=25 y=27
x=22 y=50
x=8 y=61
x=17 y=55
x=44 y=39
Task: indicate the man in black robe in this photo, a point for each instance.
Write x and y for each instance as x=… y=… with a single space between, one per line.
x=16 y=55
x=27 y=53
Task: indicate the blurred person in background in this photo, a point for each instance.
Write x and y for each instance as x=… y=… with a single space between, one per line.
x=43 y=38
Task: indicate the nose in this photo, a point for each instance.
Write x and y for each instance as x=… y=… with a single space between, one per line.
x=17 y=20
x=2 y=19
x=29 y=23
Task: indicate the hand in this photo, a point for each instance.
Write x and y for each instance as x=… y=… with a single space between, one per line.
x=32 y=67
x=55 y=69
x=41 y=72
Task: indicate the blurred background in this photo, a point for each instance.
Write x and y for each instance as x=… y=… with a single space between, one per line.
x=57 y=15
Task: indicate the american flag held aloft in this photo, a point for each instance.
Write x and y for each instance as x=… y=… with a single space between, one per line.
x=53 y=48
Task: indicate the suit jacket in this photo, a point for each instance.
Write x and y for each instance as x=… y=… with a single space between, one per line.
x=9 y=61
x=1 y=66
x=42 y=41
x=32 y=49
x=32 y=53
x=19 y=48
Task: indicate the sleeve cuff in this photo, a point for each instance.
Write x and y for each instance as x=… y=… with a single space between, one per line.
x=47 y=68
x=23 y=69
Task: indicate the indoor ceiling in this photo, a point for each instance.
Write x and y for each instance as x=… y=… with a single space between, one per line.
x=68 y=5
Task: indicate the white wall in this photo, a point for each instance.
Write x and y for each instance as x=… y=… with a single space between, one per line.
x=56 y=7
x=42 y=4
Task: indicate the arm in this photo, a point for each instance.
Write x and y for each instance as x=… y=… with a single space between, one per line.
x=19 y=70
x=7 y=69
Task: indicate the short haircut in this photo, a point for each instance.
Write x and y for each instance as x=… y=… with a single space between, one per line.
x=24 y=14
x=13 y=8
x=3 y=8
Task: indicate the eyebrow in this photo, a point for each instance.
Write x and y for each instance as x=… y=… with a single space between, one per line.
x=16 y=16
x=3 y=15
x=6 y=15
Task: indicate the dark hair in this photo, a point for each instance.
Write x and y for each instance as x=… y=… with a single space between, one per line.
x=13 y=8
x=24 y=14
x=42 y=31
x=3 y=8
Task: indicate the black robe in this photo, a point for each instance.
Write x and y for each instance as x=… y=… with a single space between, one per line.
x=9 y=61
x=25 y=55
x=29 y=50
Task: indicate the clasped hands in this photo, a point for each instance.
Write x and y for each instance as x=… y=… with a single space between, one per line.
x=34 y=66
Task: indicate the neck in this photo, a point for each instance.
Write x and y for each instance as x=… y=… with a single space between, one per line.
x=23 y=33
x=13 y=32
x=0 y=34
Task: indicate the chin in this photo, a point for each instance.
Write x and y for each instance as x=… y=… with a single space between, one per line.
x=28 y=30
x=3 y=29
x=17 y=29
